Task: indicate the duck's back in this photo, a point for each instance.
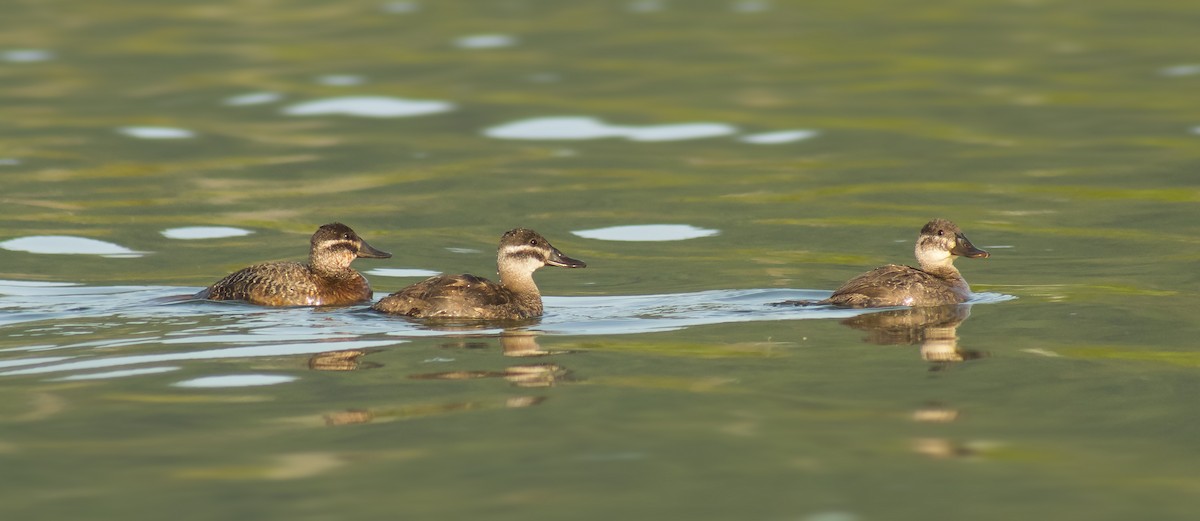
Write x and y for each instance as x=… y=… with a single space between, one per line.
x=288 y=284
x=454 y=296
x=894 y=285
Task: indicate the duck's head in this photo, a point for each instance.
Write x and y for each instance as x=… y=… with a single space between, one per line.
x=941 y=241
x=336 y=245
x=524 y=250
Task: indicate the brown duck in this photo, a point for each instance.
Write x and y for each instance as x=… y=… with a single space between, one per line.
x=515 y=297
x=936 y=282
x=325 y=280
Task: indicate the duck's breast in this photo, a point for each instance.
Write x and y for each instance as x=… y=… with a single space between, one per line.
x=342 y=291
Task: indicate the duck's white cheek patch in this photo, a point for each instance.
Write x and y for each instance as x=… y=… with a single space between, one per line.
x=908 y=301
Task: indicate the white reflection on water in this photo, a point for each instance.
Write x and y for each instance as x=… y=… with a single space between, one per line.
x=485 y=41
x=368 y=107
x=558 y=128
x=68 y=245
x=679 y=131
x=26 y=55
x=341 y=80
x=301 y=348
x=253 y=98
x=578 y=128
x=780 y=137
x=647 y=232
x=157 y=132
x=204 y=232
x=236 y=380
x=31 y=361
x=9 y=284
x=1180 y=70
x=584 y=127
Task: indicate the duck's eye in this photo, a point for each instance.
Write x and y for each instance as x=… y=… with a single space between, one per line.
x=533 y=242
x=941 y=232
x=346 y=236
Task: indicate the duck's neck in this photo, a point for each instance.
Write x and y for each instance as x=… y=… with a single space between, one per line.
x=520 y=282
x=330 y=267
x=941 y=270
x=947 y=272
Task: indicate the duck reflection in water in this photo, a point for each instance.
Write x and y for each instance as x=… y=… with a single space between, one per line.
x=526 y=375
x=515 y=343
x=346 y=360
x=935 y=328
x=406 y=411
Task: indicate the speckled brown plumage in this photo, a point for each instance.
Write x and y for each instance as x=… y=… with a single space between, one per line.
x=460 y=296
x=516 y=296
x=895 y=285
x=325 y=280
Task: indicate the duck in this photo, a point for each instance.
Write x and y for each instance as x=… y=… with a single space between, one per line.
x=325 y=280
x=936 y=282
x=516 y=297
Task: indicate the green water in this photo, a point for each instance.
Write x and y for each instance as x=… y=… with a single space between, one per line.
x=1058 y=134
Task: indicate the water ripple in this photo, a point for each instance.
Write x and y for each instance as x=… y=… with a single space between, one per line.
x=485 y=41
x=583 y=127
x=778 y=137
x=68 y=245
x=253 y=98
x=26 y=55
x=157 y=132
x=368 y=107
x=647 y=233
x=236 y=380
x=165 y=319
x=301 y=348
x=204 y=232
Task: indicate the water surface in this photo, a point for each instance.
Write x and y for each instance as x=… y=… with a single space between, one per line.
x=150 y=148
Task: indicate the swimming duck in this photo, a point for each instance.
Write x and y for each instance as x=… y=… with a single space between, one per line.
x=936 y=282
x=515 y=297
x=326 y=280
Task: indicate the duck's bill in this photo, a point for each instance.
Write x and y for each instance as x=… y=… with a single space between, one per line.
x=563 y=261
x=366 y=251
x=964 y=248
